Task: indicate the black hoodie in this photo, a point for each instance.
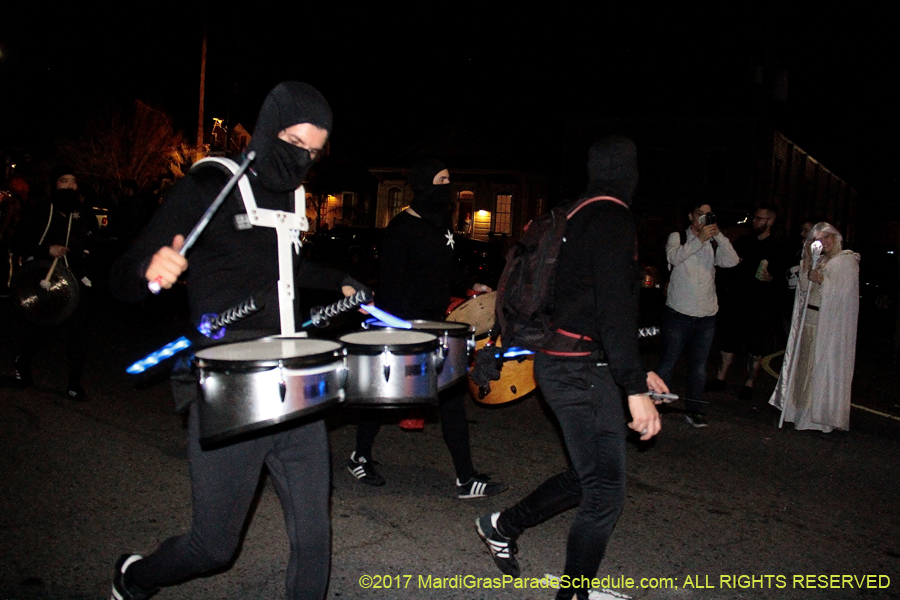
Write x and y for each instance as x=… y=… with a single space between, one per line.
x=230 y=262
x=597 y=282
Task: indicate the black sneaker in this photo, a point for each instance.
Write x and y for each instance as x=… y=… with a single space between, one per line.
x=715 y=385
x=696 y=420
x=746 y=393
x=479 y=487
x=364 y=470
x=76 y=393
x=23 y=373
x=119 y=590
x=503 y=550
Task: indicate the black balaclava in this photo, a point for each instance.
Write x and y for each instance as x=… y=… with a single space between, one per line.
x=65 y=200
x=612 y=168
x=430 y=201
x=281 y=166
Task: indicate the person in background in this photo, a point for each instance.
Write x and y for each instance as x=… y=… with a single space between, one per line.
x=814 y=386
x=689 y=320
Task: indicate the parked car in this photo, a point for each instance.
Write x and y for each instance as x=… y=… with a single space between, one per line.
x=878 y=280
x=483 y=262
x=344 y=243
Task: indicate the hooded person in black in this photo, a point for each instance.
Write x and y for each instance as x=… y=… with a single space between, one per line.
x=60 y=228
x=230 y=262
x=418 y=270
x=596 y=297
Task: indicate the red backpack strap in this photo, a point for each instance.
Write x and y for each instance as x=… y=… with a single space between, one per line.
x=587 y=201
x=584 y=203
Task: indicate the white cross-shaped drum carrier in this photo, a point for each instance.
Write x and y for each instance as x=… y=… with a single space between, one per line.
x=287 y=226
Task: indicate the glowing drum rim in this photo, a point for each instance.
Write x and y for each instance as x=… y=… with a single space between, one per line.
x=391 y=367
x=247 y=386
x=457 y=342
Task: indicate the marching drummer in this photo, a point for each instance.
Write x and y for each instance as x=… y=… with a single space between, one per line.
x=59 y=232
x=231 y=261
x=418 y=271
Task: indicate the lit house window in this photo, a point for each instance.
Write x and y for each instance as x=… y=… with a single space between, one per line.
x=503 y=216
x=347 y=206
x=395 y=201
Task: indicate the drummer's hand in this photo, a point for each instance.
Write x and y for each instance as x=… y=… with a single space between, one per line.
x=57 y=251
x=480 y=288
x=645 y=418
x=167 y=265
x=349 y=290
x=655 y=383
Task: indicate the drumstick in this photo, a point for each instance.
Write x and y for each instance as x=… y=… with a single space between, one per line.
x=156 y=285
x=320 y=316
x=211 y=325
x=45 y=282
x=386 y=317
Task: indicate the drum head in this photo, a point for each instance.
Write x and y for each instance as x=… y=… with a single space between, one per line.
x=403 y=341
x=48 y=303
x=440 y=328
x=269 y=352
x=477 y=311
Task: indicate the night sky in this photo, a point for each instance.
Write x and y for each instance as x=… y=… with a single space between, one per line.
x=393 y=76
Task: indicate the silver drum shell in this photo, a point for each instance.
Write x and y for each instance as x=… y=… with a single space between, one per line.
x=391 y=367
x=457 y=342
x=243 y=395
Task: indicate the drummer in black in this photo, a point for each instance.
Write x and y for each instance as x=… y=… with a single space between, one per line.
x=231 y=261
x=59 y=232
x=418 y=270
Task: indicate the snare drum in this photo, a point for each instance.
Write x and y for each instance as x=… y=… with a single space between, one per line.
x=477 y=311
x=390 y=367
x=457 y=341
x=251 y=385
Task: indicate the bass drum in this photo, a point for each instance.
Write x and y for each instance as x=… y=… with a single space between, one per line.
x=248 y=386
x=477 y=311
x=392 y=367
x=516 y=380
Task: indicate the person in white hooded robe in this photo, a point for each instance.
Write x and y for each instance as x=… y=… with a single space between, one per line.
x=813 y=389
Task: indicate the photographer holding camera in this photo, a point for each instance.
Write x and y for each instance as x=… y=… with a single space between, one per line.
x=689 y=321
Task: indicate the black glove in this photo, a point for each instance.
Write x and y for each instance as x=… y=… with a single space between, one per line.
x=486 y=369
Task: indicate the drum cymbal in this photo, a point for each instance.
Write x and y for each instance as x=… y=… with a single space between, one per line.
x=48 y=303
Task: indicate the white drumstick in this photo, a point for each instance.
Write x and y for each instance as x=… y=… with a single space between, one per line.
x=45 y=282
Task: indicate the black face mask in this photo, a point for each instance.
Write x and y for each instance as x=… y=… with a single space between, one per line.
x=65 y=200
x=283 y=168
x=433 y=204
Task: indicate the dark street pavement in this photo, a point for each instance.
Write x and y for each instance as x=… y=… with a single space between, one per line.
x=740 y=499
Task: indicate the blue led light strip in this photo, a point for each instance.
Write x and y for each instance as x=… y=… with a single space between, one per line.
x=160 y=355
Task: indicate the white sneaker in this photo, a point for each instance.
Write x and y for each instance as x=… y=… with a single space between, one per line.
x=592 y=594
x=606 y=595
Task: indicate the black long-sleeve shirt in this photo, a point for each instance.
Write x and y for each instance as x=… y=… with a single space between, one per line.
x=597 y=287
x=418 y=269
x=229 y=262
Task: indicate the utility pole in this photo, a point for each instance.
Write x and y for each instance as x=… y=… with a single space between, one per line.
x=202 y=88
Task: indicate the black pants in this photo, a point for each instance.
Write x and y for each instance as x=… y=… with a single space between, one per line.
x=223 y=483
x=74 y=332
x=588 y=405
x=454 y=427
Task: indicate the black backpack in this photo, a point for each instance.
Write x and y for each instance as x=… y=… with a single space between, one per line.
x=525 y=292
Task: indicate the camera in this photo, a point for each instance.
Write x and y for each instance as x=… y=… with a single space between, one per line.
x=708 y=219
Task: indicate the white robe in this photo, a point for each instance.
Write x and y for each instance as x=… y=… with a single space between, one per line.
x=832 y=342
